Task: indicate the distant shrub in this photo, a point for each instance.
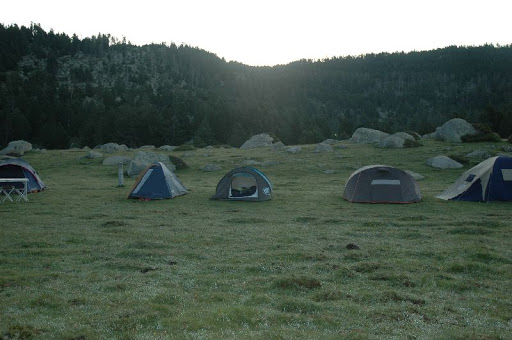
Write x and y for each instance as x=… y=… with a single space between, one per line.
x=459 y=158
x=482 y=137
x=185 y=147
x=483 y=128
x=510 y=139
x=411 y=143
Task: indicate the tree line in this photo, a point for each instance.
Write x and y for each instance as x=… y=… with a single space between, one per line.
x=59 y=91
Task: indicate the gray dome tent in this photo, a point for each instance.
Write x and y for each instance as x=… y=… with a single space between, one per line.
x=381 y=184
x=19 y=168
x=244 y=184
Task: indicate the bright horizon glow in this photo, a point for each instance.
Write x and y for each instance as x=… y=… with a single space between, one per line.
x=271 y=32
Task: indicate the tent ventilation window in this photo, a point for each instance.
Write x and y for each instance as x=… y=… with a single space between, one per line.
x=243 y=185
x=507 y=174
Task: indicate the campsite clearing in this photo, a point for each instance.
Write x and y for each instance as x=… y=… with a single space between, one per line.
x=81 y=261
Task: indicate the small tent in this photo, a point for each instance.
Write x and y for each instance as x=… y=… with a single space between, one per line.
x=157 y=182
x=19 y=168
x=491 y=180
x=244 y=184
x=381 y=184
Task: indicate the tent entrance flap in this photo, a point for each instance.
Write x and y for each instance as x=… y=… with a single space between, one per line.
x=243 y=185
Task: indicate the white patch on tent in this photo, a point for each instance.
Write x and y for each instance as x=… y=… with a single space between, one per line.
x=507 y=174
x=143 y=180
x=266 y=191
x=386 y=182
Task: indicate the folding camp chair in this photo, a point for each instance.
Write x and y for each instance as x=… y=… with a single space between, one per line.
x=10 y=186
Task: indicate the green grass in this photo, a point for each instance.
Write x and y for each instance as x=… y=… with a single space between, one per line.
x=80 y=261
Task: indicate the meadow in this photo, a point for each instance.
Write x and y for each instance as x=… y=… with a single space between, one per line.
x=81 y=261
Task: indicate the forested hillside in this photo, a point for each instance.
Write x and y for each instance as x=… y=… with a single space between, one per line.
x=58 y=91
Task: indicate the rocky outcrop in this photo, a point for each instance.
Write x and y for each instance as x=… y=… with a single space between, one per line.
x=143 y=159
x=258 y=141
x=443 y=162
x=113 y=147
x=365 y=135
x=17 y=148
x=454 y=129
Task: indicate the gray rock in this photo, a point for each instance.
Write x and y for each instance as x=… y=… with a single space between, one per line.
x=404 y=135
x=113 y=147
x=443 y=162
x=143 y=159
x=278 y=146
x=258 y=141
x=392 y=142
x=415 y=175
x=167 y=148
x=251 y=162
x=454 y=129
x=147 y=147
x=211 y=167
x=294 y=149
x=329 y=141
x=431 y=135
x=323 y=148
x=16 y=148
x=269 y=163
x=94 y=155
x=479 y=154
x=365 y=135
x=115 y=160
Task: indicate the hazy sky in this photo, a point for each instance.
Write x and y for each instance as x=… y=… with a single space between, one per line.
x=269 y=32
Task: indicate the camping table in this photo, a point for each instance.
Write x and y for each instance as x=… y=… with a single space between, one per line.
x=7 y=190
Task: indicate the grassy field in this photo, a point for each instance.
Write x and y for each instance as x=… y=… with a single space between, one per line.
x=80 y=261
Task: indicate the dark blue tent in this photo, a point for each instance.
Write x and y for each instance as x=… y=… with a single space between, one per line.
x=490 y=180
x=157 y=182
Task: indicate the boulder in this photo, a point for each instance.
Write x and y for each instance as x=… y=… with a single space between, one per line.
x=211 y=167
x=279 y=146
x=395 y=141
x=329 y=141
x=142 y=159
x=16 y=148
x=258 y=141
x=115 y=160
x=178 y=162
x=94 y=155
x=365 y=135
x=113 y=147
x=250 y=162
x=443 y=162
x=269 y=163
x=404 y=135
x=323 y=148
x=167 y=148
x=294 y=149
x=479 y=154
x=431 y=135
x=454 y=129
